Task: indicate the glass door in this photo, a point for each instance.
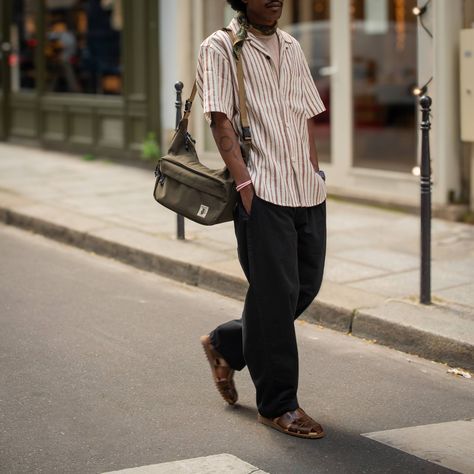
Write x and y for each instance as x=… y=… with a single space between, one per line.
x=18 y=45
x=384 y=73
x=24 y=41
x=311 y=27
x=5 y=48
x=83 y=46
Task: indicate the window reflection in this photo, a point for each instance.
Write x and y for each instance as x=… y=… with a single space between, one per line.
x=83 y=46
x=312 y=29
x=23 y=39
x=384 y=53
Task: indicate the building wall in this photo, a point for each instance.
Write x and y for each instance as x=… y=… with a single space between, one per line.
x=168 y=38
x=447 y=23
x=178 y=28
x=467 y=174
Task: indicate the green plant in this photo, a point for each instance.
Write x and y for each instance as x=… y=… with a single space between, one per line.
x=468 y=217
x=150 y=147
x=88 y=157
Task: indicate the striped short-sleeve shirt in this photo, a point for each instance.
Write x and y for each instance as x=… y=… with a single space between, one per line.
x=279 y=106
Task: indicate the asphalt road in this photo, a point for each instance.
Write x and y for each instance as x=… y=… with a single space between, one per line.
x=101 y=369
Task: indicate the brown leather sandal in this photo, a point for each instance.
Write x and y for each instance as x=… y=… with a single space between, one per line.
x=295 y=423
x=224 y=380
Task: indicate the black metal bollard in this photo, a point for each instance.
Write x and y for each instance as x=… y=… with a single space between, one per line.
x=180 y=230
x=425 y=187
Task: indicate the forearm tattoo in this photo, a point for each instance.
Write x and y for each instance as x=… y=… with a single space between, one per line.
x=226 y=140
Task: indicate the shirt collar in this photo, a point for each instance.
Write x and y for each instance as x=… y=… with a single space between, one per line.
x=283 y=37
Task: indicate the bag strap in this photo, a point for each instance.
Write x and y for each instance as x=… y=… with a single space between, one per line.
x=189 y=103
x=244 y=117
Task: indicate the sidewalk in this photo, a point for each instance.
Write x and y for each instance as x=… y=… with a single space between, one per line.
x=371 y=278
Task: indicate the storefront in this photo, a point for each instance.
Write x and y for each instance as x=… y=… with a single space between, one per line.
x=367 y=57
x=79 y=75
x=96 y=76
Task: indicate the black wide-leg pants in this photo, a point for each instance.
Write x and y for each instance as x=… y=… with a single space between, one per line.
x=282 y=252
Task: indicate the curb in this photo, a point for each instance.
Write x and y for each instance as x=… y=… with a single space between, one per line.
x=414 y=341
x=355 y=322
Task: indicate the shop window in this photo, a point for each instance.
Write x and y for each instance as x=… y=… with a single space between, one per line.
x=311 y=27
x=384 y=65
x=83 y=51
x=23 y=39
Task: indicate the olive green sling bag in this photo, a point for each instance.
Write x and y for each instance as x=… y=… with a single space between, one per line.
x=188 y=187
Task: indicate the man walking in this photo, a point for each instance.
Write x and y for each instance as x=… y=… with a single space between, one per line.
x=280 y=221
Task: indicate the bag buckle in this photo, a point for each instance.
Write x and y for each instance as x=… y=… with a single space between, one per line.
x=159 y=176
x=187 y=106
x=247 y=134
x=188 y=139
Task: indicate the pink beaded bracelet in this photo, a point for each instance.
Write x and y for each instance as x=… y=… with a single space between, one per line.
x=243 y=185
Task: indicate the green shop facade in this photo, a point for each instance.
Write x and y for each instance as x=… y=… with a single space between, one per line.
x=80 y=76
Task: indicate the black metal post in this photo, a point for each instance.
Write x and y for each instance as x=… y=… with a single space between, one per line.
x=425 y=185
x=180 y=230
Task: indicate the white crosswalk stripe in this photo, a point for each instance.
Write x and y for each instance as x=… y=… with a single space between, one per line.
x=217 y=464
x=450 y=444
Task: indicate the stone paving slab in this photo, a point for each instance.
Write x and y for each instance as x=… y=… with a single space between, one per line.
x=381 y=258
x=462 y=294
x=453 y=321
x=406 y=284
x=372 y=254
x=440 y=331
x=342 y=271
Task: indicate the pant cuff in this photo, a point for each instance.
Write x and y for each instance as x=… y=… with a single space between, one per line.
x=280 y=412
x=228 y=359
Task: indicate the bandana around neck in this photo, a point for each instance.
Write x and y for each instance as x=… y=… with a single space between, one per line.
x=245 y=25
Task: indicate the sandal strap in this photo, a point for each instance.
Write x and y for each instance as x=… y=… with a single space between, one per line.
x=218 y=360
x=298 y=421
x=224 y=382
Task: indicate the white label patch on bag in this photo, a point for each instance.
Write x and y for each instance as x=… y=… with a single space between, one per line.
x=203 y=210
